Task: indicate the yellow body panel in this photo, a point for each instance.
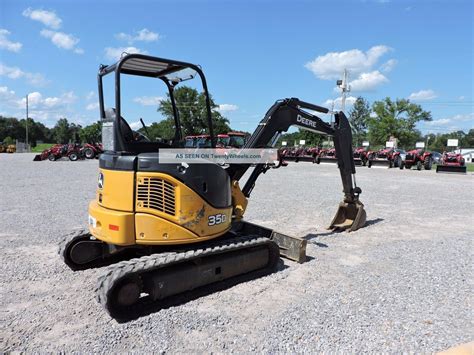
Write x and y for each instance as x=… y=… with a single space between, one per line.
x=123 y=225
x=156 y=231
x=153 y=208
x=239 y=201
x=117 y=191
x=190 y=211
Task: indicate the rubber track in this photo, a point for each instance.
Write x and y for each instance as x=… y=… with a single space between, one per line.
x=99 y=262
x=134 y=267
x=64 y=243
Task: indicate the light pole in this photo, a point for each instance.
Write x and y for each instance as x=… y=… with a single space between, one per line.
x=345 y=88
x=26 y=123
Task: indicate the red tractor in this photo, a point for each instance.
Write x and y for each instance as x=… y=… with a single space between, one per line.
x=72 y=151
x=387 y=156
x=360 y=156
x=309 y=154
x=91 y=151
x=451 y=162
x=419 y=158
x=327 y=156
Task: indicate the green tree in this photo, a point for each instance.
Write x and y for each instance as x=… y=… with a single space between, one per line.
x=91 y=133
x=358 y=118
x=62 y=131
x=163 y=129
x=398 y=119
x=469 y=139
x=310 y=138
x=192 y=112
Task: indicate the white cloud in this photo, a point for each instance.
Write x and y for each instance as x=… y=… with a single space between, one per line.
x=388 y=65
x=62 y=40
x=92 y=106
x=368 y=81
x=16 y=73
x=148 y=100
x=36 y=101
x=461 y=98
x=5 y=43
x=423 y=95
x=6 y=93
x=337 y=102
x=116 y=53
x=135 y=125
x=332 y=64
x=227 y=108
x=452 y=122
x=40 y=107
x=90 y=95
x=143 y=35
x=47 y=18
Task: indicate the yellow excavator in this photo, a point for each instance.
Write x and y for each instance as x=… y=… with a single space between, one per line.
x=183 y=223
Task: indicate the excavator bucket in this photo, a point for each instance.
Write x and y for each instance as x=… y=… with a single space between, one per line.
x=350 y=216
x=451 y=169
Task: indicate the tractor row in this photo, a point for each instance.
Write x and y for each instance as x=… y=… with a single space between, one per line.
x=73 y=152
x=390 y=157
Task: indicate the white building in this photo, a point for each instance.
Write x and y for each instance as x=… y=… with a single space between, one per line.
x=467 y=153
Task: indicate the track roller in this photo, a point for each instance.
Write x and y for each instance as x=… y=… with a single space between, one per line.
x=126 y=287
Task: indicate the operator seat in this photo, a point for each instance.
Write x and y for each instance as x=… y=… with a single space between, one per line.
x=127 y=132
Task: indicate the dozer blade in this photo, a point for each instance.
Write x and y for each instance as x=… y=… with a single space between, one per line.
x=37 y=157
x=350 y=216
x=292 y=248
x=451 y=169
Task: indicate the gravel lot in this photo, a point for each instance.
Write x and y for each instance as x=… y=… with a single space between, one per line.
x=403 y=283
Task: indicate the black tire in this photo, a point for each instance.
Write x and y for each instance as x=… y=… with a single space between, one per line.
x=398 y=162
x=89 y=153
x=428 y=163
x=369 y=164
x=73 y=156
x=419 y=165
x=390 y=164
x=402 y=164
x=51 y=157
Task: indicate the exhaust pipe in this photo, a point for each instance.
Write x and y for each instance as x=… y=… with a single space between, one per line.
x=350 y=216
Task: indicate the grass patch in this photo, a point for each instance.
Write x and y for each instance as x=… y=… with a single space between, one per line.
x=40 y=147
x=470 y=167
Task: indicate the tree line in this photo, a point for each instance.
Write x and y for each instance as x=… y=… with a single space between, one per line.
x=376 y=123
x=12 y=129
x=384 y=119
x=192 y=111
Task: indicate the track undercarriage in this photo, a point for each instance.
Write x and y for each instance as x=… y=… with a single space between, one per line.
x=141 y=275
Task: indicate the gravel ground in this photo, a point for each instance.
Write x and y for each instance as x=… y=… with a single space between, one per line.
x=403 y=283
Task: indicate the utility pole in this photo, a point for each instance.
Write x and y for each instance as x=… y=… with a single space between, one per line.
x=345 y=88
x=26 y=123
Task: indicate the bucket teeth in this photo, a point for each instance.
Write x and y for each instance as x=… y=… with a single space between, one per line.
x=350 y=216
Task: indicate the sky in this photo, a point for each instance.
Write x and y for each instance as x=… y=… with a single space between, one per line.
x=252 y=52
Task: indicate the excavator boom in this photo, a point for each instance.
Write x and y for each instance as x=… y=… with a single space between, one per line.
x=293 y=112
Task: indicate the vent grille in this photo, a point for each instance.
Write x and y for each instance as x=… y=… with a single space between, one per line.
x=157 y=194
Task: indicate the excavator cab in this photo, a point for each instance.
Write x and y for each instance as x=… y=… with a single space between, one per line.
x=118 y=136
x=184 y=222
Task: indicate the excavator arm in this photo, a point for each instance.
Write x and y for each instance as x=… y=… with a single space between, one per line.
x=293 y=112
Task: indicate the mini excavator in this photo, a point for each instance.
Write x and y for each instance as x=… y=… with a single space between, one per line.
x=184 y=222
